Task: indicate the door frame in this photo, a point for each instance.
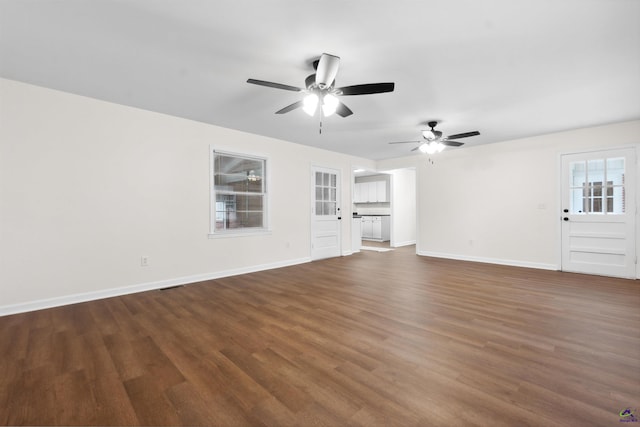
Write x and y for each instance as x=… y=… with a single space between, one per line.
x=636 y=236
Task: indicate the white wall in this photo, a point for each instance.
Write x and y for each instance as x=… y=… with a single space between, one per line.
x=88 y=187
x=500 y=202
x=403 y=214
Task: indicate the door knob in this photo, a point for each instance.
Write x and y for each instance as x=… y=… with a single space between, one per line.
x=565 y=218
x=566 y=211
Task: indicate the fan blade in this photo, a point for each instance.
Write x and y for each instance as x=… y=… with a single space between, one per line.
x=290 y=107
x=367 y=89
x=274 y=85
x=451 y=143
x=406 y=142
x=343 y=110
x=327 y=70
x=417 y=148
x=464 y=135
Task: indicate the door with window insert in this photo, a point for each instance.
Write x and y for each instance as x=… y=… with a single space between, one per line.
x=598 y=213
x=325 y=213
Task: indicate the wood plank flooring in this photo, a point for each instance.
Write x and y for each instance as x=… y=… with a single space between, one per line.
x=371 y=339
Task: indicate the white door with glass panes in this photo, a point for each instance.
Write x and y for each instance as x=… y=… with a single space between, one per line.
x=325 y=213
x=599 y=213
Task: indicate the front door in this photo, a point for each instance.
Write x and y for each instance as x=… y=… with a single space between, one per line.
x=325 y=213
x=598 y=213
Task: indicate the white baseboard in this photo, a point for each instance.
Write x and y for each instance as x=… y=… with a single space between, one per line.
x=407 y=243
x=510 y=262
x=141 y=287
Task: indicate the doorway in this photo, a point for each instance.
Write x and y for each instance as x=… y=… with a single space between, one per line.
x=384 y=204
x=325 y=213
x=599 y=213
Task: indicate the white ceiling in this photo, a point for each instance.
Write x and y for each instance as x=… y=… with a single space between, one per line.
x=507 y=68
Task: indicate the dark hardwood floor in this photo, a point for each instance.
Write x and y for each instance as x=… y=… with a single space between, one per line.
x=370 y=339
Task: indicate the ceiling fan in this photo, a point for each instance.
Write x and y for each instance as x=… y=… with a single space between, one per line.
x=434 y=142
x=320 y=88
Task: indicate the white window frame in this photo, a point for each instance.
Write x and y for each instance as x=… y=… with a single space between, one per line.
x=235 y=232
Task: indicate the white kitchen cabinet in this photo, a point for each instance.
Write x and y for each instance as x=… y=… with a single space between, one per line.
x=381 y=191
x=370 y=192
x=358 y=193
x=376 y=228
x=367 y=227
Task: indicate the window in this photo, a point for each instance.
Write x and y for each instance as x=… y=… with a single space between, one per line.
x=598 y=186
x=326 y=201
x=239 y=193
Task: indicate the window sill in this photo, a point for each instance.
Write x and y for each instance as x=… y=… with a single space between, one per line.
x=239 y=233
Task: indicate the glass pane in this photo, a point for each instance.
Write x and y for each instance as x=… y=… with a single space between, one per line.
x=318 y=208
x=325 y=181
x=617 y=201
x=246 y=202
x=318 y=178
x=595 y=170
x=576 y=203
x=329 y=208
x=333 y=180
x=578 y=176
x=318 y=193
x=325 y=194
x=609 y=204
x=333 y=195
x=596 y=205
x=615 y=171
x=238 y=174
x=248 y=220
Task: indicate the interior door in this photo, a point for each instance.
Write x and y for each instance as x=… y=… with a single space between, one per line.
x=325 y=213
x=599 y=213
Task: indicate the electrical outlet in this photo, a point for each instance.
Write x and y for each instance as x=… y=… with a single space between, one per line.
x=144 y=261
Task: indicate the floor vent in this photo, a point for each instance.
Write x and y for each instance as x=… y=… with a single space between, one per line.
x=171 y=287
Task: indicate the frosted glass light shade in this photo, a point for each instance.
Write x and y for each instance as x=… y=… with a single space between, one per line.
x=310 y=104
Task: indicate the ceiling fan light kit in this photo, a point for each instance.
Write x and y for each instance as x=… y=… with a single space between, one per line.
x=433 y=141
x=329 y=105
x=310 y=104
x=431 y=147
x=321 y=86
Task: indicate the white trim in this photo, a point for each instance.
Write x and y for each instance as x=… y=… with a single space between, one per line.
x=141 y=287
x=407 y=243
x=347 y=253
x=509 y=262
x=238 y=233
